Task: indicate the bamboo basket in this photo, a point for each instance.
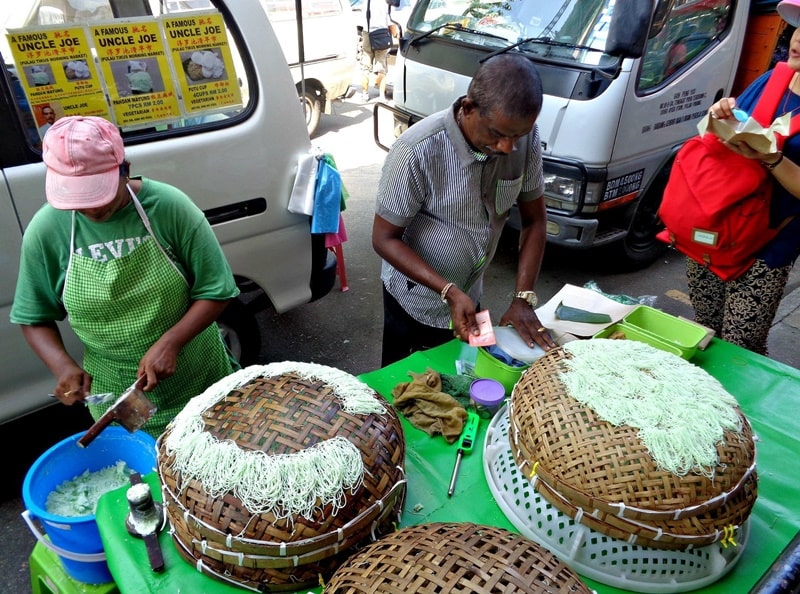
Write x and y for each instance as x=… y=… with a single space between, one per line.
x=279 y=415
x=604 y=474
x=459 y=557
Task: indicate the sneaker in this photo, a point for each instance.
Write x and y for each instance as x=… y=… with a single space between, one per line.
x=363 y=97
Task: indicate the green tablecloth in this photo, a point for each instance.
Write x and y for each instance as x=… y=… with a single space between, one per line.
x=768 y=392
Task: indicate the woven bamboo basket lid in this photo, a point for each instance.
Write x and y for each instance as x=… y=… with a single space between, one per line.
x=274 y=416
x=459 y=557
x=586 y=466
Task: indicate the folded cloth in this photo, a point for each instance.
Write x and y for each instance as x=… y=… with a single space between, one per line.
x=428 y=408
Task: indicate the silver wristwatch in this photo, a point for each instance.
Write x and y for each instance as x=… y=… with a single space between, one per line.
x=528 y=296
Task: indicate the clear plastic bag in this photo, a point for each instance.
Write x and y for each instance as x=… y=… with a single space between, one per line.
x=649 y=300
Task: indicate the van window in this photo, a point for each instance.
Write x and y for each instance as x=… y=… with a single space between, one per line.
x=688 y=29
x=111 y=58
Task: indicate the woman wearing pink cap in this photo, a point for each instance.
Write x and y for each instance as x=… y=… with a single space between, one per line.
x=134 y=266
x=742 y=310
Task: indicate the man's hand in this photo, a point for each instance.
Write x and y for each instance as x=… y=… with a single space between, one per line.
x=462 y=312
x=522 y=316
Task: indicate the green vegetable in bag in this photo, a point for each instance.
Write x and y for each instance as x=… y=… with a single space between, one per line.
x=574 y=314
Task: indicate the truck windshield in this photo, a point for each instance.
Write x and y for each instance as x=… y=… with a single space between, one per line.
x=572 y=30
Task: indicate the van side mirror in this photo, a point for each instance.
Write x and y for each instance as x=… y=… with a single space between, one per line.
x=627 y=33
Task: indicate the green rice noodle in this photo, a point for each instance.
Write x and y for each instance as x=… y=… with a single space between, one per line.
x=680 y=410
x=79 y=496
x=284 y=485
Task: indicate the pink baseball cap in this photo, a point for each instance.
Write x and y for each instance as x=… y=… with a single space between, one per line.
x=83 y=155
x=790 y=11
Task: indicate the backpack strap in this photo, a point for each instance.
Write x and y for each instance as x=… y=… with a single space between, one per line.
x=774 y=90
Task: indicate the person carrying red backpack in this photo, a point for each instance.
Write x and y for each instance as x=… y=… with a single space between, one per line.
x=741 y=310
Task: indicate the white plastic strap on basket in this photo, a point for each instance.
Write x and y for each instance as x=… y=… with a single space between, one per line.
x=40 y=536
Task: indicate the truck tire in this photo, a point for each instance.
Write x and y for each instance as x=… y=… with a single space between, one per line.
x=640 y=248
x=240 y=331
x=311 y=102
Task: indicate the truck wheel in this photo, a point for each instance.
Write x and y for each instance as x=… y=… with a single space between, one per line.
x=640 y=246
x=239 y=328
x=311 y=102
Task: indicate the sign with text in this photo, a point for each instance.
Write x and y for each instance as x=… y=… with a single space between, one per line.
x=134 y=63
x=57 y=72
x=201 y=57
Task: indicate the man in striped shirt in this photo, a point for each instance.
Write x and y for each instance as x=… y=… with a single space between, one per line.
x=446 y=190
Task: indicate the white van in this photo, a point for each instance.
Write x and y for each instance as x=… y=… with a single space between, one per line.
x=323 y=60
x=235 y=153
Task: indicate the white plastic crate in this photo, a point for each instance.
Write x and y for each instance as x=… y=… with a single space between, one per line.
x=592 y=554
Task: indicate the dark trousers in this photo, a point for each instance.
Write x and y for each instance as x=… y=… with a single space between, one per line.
x=403 y=335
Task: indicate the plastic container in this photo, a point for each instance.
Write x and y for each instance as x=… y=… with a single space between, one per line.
x=634 y=333
x=682 y=334
x=488 y=366
x=487 y=395
x=76 y=540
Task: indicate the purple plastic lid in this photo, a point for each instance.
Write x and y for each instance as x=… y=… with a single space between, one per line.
x=487 y=391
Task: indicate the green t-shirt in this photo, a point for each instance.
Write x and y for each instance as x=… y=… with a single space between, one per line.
x=181 y=229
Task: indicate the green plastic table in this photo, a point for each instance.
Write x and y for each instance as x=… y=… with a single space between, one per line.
x=769 y=395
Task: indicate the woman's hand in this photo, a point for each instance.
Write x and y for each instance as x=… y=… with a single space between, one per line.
x=159 y=362
x=73 y=385
x=723 y=109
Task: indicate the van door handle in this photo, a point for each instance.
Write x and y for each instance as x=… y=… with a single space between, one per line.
x=237 y=210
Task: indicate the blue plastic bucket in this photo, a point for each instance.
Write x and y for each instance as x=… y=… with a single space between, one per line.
x=76 y=540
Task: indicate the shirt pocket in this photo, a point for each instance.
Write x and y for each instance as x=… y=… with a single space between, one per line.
x=506 y=193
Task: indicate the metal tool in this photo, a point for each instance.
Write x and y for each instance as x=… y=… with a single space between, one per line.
x=464 y=446
x=93 y=398
x=146 y=519
x=131 y=410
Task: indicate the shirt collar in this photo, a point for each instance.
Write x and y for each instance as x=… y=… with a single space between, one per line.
x=464 y=151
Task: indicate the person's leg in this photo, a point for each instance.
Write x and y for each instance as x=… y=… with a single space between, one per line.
x=403 y=335
x=365 y=62
x=380 y=67
x=751 y=303
x=707 y=294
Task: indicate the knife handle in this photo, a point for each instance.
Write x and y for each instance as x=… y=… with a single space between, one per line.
x=93 y=431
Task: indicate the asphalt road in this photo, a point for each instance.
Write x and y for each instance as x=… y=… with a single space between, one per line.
x=343 y=329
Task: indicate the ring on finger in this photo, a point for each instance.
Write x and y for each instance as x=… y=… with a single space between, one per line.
x=542 y=329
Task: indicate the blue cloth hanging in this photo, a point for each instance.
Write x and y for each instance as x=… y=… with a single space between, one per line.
x=327 y=199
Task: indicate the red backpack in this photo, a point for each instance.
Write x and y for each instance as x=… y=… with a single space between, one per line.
x=716 y=202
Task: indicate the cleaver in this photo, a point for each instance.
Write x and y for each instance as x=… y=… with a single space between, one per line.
x=131 y=410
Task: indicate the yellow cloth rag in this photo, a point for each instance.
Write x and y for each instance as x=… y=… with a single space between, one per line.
x=428 y=408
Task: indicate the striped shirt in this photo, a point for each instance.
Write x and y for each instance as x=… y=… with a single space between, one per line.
x=452 y=202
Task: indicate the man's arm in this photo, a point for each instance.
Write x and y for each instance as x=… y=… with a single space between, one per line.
x=387 y=241
x=532 y=240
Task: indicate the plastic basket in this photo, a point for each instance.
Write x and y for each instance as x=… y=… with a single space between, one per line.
x=591 y=553
x=680 y=333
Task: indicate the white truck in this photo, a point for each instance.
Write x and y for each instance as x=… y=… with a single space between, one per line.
x=625 y=83
x=237 y=160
